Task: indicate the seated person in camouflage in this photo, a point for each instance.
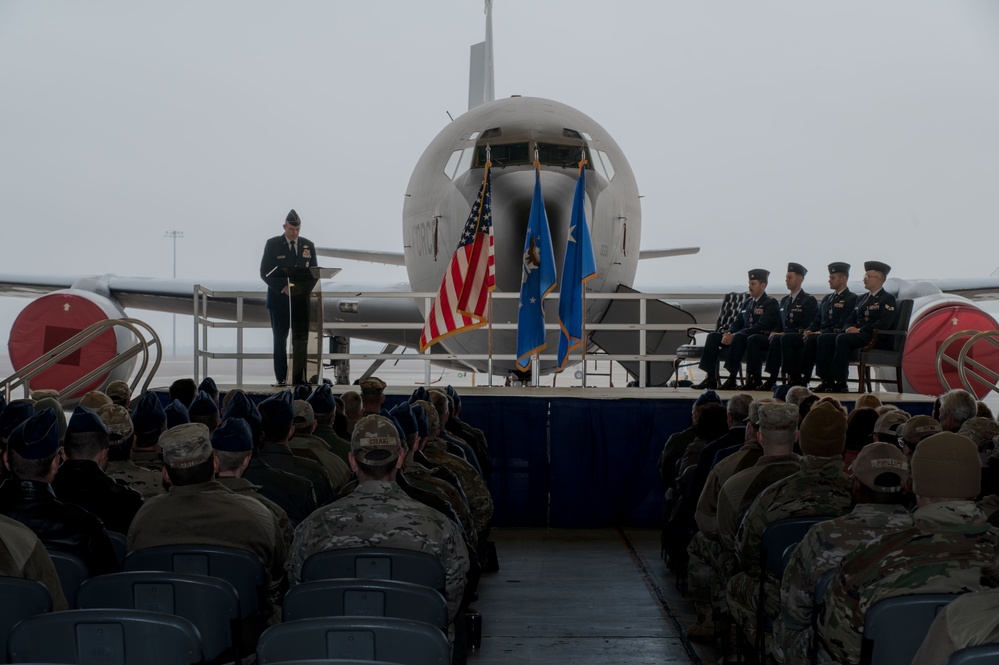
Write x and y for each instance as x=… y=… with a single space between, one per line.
x=880 y=492
x=121 y=436
x=305 y=444
x=945 y=550
x=969 y=620
x=24 y=556
x=278 y=415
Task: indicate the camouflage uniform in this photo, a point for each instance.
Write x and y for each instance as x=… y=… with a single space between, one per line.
x=821 y=549
x=23 y=555
x=147 y=482
x=820 y=488
x=148 y=458
x=970 y=620
x=420 y=476
x=246 y=488
x=314 y=448
x=740 y=490
x=282 y=458
x=944 y=552
x=479 y=500
x=379 y=514
x=672 y=450
x=339 y=446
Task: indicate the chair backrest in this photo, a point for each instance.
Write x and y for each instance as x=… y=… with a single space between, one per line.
x=891 y=623
x=119 y=542
x=77 y=636
x=393 y=640
x=731 y=308
x=377 y=598
x=72 y=571
x=210 y=603
x=243 y=569
x=20 y=599
x=902 y=318
x=984 y=654
x=778 y=536
x=334 y=661
x=376 y=563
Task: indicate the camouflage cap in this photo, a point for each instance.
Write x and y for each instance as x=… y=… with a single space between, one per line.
x=918 y=428
x=322 y=400
x=42 y=393
x=797 y=394
x=778 y=417
x=890 y=421
x=84 y=419
x=37 y=437
x=375 y=440
x=823 y=431
x=233 y=436
x=16 y=413
x=185 y=445
x=946 y=465
x=433 y=418
x=981 y=431
x=754 y=410
x=371 y=386
x=115 y=417
x=119 y=392
x=879 y=458
x=94 y=399
x=304 y=415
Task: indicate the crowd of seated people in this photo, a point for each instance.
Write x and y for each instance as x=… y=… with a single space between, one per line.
x=283 y=476
x=883 y=505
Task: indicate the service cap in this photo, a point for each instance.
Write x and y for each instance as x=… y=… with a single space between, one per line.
x=16 y=413
x=149 y=417
x=375 y=440
x=203 y=405
x=293 y=219
x=176 y=414
x=209 y=386
x=707 y=397
x=279 y=408
x=186 y=445
x=85 y=419
x=839 y=266
x=302 y=391
x=56 y=406
x=322 y=400
x=403 y=414
x=241 y=406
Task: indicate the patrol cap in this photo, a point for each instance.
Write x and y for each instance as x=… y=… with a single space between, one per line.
x=778 y=417
x=890 y=421
x=37 y=437
x=53 y=403
x=946 y=465
x=797 y=268
x=119 y=392
x=85 y=419
x=149 y=416
x=208 y=385
x=303 y=391
x=918 y=428
x=322 y=400
x=233 y=436
x=433 y=418
x=797 y=394
x=879 y=458
x=203 y=405
x=304 y=415
x=839 y=266
x=278 y=408
x=176 y=414
x=375 y=440
x=759 y=274
x=981 y=431
x=877 y=265
x=823 y=431
x=754 y=410
x=293 y=219
x=42 y=393
x=241 y=406
x=707 y=397
x=94 y=399
x=403 y=414
x=186 y=445
x=16 y=413
x=371 y=386
x=115 y=417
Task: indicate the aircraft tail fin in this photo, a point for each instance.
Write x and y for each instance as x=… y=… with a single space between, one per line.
x=481 y=86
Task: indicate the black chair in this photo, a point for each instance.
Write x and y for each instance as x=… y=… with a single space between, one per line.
x=115 y=636
x=334 y=661
x=886 y=349
x=72 y=571
x=210 y=603
x=394 y=640
x=119 y=542
x=690 y=354
x=891 y=624
x=378 y=598
x=20 y=599
x=376 y=563
x=242 y=569
x=984 y=654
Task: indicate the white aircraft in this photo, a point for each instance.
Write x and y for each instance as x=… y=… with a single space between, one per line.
x=441 y=190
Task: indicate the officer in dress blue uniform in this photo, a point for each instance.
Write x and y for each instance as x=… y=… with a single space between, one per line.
x=760 y=315
x=288 y=303
x=876 y=310
x=797 y=309
x=798 y=351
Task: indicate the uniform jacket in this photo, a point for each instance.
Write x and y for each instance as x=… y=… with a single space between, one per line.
x=833 y=312
x=796 y=314
x=293 y=493
x=277 y=255
x=873 y=312
x=757 y=317
x=23 y=555
x=83 y=483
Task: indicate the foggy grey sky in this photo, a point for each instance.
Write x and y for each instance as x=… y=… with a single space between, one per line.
x=761 y=131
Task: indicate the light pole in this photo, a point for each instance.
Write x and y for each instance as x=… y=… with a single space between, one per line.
x=174 y=235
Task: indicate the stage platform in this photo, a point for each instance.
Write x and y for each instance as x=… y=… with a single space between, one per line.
x=579 y=457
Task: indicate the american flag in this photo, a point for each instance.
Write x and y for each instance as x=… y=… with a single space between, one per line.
x=463 y=296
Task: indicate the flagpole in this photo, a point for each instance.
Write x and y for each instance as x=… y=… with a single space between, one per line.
x=490 y=315
x=582 y=328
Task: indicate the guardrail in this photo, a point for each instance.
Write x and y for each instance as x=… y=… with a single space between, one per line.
x=969 y=370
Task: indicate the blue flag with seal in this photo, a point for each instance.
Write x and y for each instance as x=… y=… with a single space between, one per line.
x=578 y=268
x=537 y=279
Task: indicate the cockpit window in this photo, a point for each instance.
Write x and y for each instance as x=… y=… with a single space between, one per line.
x=602 y=164
x=550 y=154
x=459 y=162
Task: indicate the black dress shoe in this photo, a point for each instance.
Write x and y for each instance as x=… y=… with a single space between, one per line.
x=822 y=387
x=769 y=384
x=752 y=384
x=729 y=384
x=707 y=384
x=279 y=384
x=838 y=387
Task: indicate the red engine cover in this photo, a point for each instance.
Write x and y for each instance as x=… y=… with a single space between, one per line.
x=49 y=321
x=928 y=334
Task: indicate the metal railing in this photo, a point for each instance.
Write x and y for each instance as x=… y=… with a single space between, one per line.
x=141 y=347
x=969 y=370
x=203 y=323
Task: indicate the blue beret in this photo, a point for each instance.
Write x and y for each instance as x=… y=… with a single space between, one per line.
x=203 y=405
x=708 y=397
x=403 y=414
x=421 y=422
x=176 y=414
x=85 y=419
x=278 y=408
x=233 y=436
x=208 y=385
x=37 y=437
x=149 y=416
x=16 y=413
x=303 y=391
x=241 y=406
x=322 y=400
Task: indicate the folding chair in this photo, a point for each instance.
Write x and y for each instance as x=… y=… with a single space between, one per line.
x=891 y=623
x=376 y=563
x=20 y=599
x=353 y=597
x=72 y=571
x=984 y=654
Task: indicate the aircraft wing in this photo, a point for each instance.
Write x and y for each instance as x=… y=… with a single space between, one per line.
x=662 y=253
x=979 y=288
x=368 y=255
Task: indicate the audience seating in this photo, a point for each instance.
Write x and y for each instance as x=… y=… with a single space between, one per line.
x=72 y=571
x=376 y=563
x=890 y=625
x=984 y=654
x=353 y=597
x=20 y=599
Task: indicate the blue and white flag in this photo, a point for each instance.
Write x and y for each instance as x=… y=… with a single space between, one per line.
x=578 y=268
x=537 y=279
